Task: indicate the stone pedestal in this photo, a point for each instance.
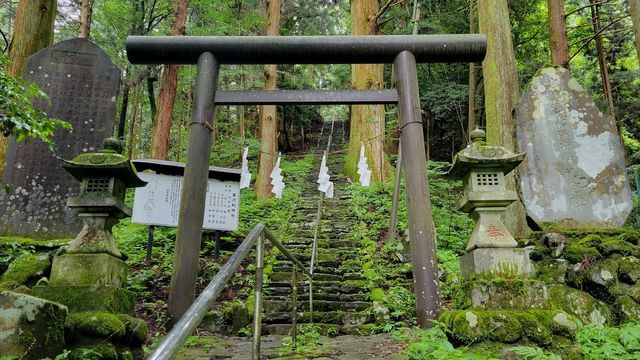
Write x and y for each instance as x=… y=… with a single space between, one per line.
x=88 y=269
x=506 y=261
x=89 y=282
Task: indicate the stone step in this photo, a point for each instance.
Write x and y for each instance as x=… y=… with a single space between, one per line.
x=288 y=267
x=325 y=317
x=322 y=329
x=319 y=287
x=304 y=296
x=278 y=306
x=317 y=276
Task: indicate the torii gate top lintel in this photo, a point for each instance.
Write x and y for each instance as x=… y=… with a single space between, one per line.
x=367 y=49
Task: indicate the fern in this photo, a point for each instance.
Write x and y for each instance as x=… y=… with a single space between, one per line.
x=534 y=353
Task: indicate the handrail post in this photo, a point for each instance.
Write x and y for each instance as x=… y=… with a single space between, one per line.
x=257 y=306
x=294 y=305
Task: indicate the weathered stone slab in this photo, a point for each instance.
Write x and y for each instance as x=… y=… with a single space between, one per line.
x=30 y=328
x=574 y=172
x=82 y=84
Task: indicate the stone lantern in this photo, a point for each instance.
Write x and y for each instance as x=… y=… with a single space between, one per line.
x=91 y=273
x=104 y=175
x=491 y=249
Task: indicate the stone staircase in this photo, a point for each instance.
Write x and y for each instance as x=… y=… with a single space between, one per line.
x=340 y=302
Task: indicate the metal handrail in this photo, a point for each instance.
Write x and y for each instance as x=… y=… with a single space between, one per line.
x=174 y=340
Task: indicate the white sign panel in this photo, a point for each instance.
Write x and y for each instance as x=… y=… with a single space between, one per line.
x=158 y=203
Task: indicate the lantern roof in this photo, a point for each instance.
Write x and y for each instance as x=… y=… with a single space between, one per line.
x=104 y=163
x=478 y=155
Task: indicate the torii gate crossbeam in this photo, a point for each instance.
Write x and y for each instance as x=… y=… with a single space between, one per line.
x=209 y=52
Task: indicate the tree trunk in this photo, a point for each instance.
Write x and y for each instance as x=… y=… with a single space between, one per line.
x=134 y=124
x=168 y=86
x=501 y=93
x=267 y=114
x=33 y=31
x=558 y=34
x=602 y=57
x=86 y=8
x=471 y=121
x=367 y=121
x=634 y=6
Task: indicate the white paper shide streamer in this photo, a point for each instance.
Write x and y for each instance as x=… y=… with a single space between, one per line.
x=276 y=179
x=245 y=176
x=325 y=186
x=363 y=169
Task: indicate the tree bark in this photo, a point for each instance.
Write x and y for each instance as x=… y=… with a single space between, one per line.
x=367 y=121
x=86 y=8
x=267 y=115
x=168 y=86
x=602 y=57
x=471 y=121
x=502 y=91
x=634 y=9
x=33 y=30
x=558 y=34
x=134 y=124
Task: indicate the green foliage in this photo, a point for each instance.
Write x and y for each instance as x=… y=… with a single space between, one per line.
x=610 y=342
x=18 y=117
x=432 y=344
x=534 y=353
x=309 y=343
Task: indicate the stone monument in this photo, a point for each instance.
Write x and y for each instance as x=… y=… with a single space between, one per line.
x=82 y=84
x=574 y=174
x=491 y=249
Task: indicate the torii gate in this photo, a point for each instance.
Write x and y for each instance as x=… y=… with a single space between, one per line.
x=209 y=52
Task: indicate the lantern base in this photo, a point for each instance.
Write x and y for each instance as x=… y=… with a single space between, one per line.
x=490 y=231
x=497 y=261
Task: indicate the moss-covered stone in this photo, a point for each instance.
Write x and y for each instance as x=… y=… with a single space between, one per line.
x=627 y=309
x=631 y=236
x=26 y=270
x=30 y=328
x=583 y=249
x=89 y=298
x=615 y=246
x=577 y=303
x=552 y=270
x=95 y=324
x=533 y=329
x=600 y=279
x=629 y=270
x=495 y=293
x=538 y=326
x=35 y=243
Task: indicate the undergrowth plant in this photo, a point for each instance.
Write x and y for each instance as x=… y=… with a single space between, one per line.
x=309 y=343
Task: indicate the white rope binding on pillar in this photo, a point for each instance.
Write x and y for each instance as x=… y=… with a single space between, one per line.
x=326 y=186
x=363 y=168
x=245 y=176
x=276 y=179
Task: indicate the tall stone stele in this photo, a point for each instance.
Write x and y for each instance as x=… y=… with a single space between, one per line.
x=492 y=249
x=90 y=274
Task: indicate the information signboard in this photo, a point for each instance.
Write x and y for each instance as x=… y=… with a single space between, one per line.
x=158 y=203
